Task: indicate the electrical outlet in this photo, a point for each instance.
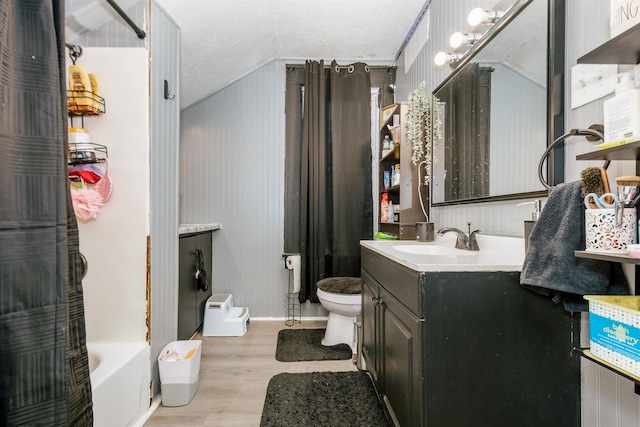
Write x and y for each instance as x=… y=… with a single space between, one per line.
x=592 y=81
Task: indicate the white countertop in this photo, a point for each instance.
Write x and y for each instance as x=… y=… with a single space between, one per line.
x=196 y=228
x=497 y=253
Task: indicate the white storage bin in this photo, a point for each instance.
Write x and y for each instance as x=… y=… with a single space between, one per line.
x=602 y=233
x=179 y=365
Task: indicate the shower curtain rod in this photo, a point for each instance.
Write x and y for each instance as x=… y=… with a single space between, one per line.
x=141 y=34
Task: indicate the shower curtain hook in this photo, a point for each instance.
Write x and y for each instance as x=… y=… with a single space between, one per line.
x=74 y=52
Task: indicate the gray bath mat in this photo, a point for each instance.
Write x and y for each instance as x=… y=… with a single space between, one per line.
x=297 y=345
x=322 y=399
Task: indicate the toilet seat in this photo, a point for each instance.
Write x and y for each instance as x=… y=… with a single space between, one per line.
x=341 y=285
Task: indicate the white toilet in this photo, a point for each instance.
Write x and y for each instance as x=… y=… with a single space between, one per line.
x=341 y=297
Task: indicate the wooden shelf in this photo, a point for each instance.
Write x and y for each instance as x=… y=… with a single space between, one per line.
x=393 y=189
x=586 y=353
x=629 y=151
x=386 y=115
x=602 y=256
x=622 y=49
x=392 y=156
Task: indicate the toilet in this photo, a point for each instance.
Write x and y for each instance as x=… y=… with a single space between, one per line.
x=340 y=296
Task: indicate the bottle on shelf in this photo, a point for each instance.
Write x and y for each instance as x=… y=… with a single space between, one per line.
x=384 y=208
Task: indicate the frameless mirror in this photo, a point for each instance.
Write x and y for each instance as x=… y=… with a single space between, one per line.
x=494 y=113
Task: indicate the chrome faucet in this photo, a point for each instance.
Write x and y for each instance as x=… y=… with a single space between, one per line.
x=469 y=243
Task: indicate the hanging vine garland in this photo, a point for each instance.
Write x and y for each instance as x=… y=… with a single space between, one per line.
x=419 y=128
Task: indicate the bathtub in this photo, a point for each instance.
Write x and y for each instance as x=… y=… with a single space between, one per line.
x=120 y=377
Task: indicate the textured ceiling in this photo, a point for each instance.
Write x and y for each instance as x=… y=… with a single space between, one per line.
x=224 y=40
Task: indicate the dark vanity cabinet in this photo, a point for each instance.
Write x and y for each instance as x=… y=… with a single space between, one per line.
x=191 y=300
x=467 y=348
x=392 y=338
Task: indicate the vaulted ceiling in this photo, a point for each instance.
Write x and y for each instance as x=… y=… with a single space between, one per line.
x=224 y=40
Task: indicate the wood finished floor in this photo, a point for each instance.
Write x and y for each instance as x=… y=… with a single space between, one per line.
x=234 y=374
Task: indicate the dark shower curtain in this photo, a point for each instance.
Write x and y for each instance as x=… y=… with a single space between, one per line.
x=44 y=373
x=329 y=171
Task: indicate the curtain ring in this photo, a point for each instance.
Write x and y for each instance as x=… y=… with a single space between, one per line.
x=350 y=69
x=366 y=68
x=337 y=69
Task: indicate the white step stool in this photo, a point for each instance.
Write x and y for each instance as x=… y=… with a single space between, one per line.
x=222 y=319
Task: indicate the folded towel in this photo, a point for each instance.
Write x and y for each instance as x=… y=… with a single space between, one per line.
x=551 y=267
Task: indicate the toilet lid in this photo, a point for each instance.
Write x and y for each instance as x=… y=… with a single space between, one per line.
x=341 y=285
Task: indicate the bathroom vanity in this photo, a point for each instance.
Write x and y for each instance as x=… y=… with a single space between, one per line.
x=450 y=338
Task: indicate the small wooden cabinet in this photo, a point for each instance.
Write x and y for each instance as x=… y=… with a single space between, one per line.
x=467 y=348
x=191 y=300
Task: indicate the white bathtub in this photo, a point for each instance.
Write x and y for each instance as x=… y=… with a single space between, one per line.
x=120 y=376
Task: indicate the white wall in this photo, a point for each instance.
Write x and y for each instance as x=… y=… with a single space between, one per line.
x=164 y=134
x=232 y=152
x=115 y=244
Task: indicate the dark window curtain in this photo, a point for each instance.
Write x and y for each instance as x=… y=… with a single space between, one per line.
x=44 y=379
x=328 y=201
x=467 y=134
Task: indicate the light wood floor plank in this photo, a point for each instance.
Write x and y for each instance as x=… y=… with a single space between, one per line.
x=234 y=374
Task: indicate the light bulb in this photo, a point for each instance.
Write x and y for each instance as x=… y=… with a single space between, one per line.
x=458 y=39
x=479 y=16
x=475 y=16
x=440 y=58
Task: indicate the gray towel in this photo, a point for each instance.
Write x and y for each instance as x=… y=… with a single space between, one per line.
x=551 y=264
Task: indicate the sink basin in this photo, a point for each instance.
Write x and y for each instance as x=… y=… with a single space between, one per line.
x=496 y=254
x=431 y=249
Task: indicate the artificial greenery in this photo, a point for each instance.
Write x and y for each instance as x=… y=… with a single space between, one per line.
x=419 y=128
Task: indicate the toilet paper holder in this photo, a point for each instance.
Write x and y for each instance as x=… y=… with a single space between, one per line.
x=292 y=263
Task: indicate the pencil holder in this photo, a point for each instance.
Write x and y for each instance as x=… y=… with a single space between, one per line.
x=601 y=231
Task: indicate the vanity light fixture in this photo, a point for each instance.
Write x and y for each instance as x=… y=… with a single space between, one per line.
x=442 y=58
x=480 y=16
x=458 y=39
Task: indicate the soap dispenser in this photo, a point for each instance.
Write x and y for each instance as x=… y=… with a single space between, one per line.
x=528 y=224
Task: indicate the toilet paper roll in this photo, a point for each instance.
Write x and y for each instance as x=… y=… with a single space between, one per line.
x=293 y=263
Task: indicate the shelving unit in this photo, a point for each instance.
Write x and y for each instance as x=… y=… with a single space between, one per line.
x=622 y=49
x=388 y=161
x=81 y=104
x=405 y=191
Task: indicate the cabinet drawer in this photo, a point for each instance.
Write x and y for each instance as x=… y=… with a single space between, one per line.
x=368 y=261
x=402 y=282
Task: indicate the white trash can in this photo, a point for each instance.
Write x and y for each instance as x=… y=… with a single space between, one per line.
x=179 y=364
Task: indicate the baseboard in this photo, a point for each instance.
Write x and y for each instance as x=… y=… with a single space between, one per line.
x=282 y=319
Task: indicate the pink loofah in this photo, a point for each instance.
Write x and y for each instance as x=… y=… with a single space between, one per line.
x=86 y=202
x=104 y=187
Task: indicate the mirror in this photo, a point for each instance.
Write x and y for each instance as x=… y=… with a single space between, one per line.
x=495 y=114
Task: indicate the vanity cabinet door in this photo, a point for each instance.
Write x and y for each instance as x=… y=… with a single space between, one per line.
x=191 y=300
x=400 y=372
x=187 y=290
x=204 y=243
x=370 y=294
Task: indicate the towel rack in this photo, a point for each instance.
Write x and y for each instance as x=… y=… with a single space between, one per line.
x=573 y=132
